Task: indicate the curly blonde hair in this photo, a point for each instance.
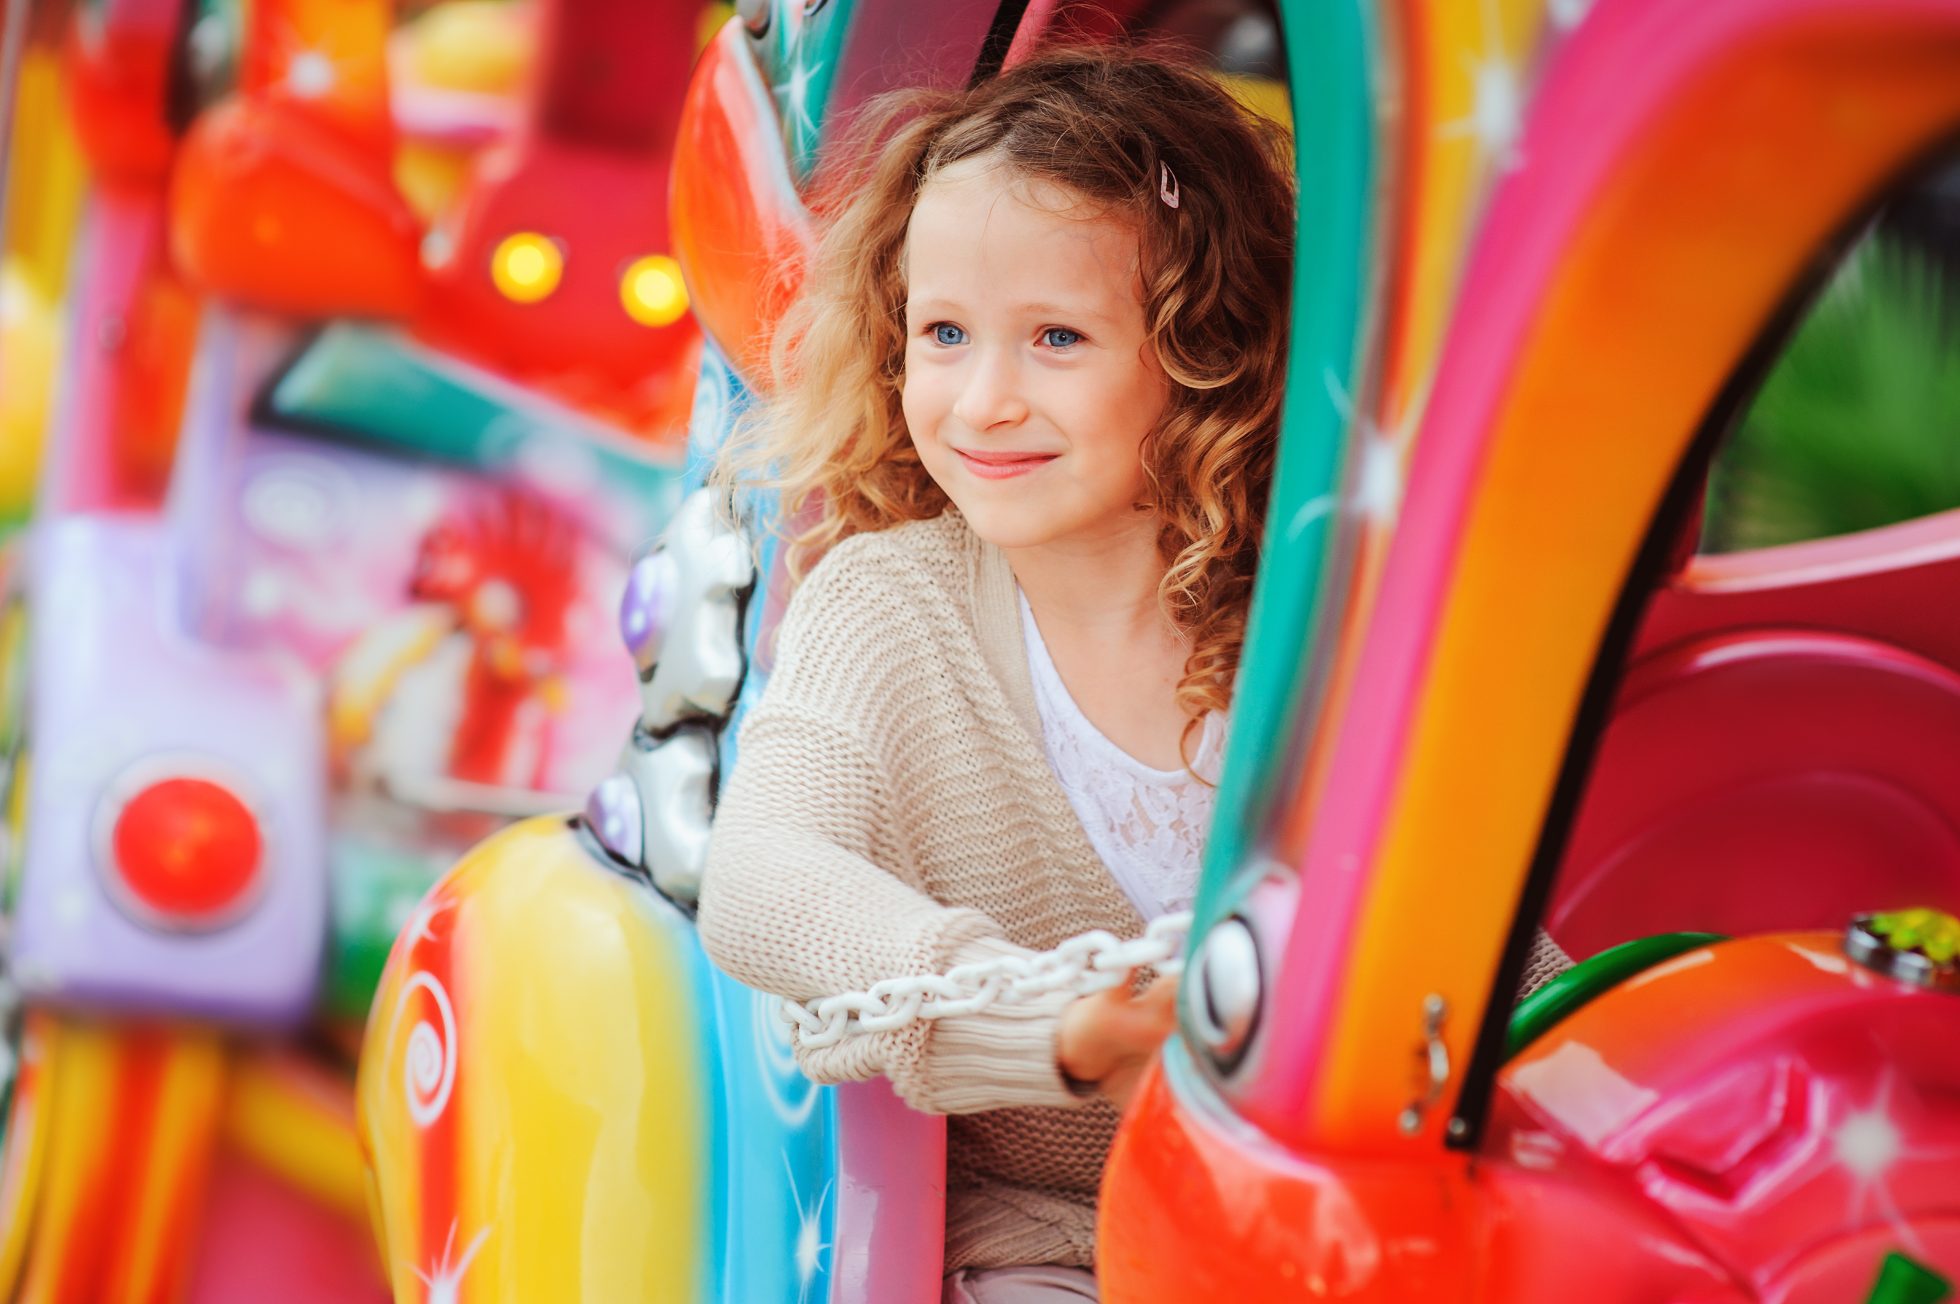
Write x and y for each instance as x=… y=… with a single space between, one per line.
x=1215 y=271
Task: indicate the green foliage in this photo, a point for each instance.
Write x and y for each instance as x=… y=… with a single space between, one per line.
x=1858 y=424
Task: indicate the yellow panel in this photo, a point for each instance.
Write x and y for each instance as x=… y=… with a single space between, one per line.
x=44 y=190
x=537 y=1019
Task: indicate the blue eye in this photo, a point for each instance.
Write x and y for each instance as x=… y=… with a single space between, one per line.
x=946 y=333
x=1060 y=337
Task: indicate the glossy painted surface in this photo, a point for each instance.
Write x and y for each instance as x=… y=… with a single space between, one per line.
x=1758 y=1151
x=532 y=1096
x=890 y=1226
x=45 y=171
x=202 y=634
x=551 y=1052
x=1606 y=297
x=272 y=208
x=1466 y=73
x=587 y=173
x=24 y=1131
x=740 y=228
x=1654 y=199
x=1418 y=1229
x=282 y=194
x=287 y=195
x=117 y=63
x=1187 y=1177
x=1642 y=221
x=275 y=1232
x=130 y=333
x=1795 y=747
x=1332 y=50
x=1796 y=1124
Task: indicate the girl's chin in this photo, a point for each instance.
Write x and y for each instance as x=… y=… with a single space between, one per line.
x=1034 y=522
x=1007 y=524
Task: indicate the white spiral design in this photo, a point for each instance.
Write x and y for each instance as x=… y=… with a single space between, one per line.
x=429 y=1061
x=792 y=1096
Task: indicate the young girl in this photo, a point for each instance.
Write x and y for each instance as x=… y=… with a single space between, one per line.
x=1027 y=421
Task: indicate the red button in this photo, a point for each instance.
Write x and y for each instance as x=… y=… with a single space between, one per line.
x=187 y=849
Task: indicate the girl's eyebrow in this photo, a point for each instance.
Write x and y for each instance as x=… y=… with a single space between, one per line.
x=1079 y=312
x=1074 y=310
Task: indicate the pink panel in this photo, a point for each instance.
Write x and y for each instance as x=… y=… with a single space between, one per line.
x=122 y=231
x=1832 y=758
x=1892 y=584
x=891 y=1205
x=264 y=1240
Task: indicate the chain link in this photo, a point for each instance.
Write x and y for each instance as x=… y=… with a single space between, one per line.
x=1092 y=962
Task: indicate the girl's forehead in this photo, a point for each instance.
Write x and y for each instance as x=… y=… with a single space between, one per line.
x=992 y=176
x=979 y=224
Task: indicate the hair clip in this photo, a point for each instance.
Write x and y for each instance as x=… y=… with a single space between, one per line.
x=1166 y=185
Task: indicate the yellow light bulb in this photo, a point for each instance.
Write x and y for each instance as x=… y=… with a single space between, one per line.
x=652 y=291
x=526 y=267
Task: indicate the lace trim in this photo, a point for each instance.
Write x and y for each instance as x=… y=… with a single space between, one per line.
x=1147 y=825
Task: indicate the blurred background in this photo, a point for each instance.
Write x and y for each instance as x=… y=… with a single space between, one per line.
x=345 y=364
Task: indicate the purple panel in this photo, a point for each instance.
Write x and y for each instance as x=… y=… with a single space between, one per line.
x=113 y=684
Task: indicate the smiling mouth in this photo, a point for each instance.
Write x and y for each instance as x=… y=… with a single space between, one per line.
x=1003 y=466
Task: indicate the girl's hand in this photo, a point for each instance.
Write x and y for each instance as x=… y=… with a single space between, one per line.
x=1108 y=1037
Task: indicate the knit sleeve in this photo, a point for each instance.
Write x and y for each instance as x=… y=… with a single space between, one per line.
x=794 y=903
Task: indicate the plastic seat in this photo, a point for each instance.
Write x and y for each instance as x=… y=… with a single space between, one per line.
x=1791 y=711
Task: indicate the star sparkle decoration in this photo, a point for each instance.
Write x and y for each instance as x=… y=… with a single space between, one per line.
x=1496 y=118
x=1381 y=454
x=1868 y=1143
x=793 y=95
x=444 y=1279
x=809 y=1249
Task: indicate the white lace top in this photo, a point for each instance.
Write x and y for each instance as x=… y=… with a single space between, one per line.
x=1147 y=825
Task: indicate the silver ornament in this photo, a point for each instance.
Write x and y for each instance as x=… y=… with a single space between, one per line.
x=702 y=571
x=674 y=777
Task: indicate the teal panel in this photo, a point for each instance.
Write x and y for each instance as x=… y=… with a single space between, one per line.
x=799 y=56
x=387 y=390
x=1331 y=50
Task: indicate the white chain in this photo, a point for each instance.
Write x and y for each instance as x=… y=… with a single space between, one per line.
x=1092 y=962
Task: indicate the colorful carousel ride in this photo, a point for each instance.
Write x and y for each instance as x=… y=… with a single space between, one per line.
x=1547 y=255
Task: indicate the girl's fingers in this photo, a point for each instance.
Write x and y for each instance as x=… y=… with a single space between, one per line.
x=1111 y=1035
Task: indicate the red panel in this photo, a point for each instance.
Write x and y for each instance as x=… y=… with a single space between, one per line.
x=1767 y=780
x=279 y=210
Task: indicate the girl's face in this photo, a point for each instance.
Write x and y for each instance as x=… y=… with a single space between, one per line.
x=1029 y=384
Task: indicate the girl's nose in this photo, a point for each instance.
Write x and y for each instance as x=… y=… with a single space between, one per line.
x=991 y=394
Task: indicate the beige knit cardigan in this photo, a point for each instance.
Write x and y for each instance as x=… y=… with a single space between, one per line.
x=892 y=812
